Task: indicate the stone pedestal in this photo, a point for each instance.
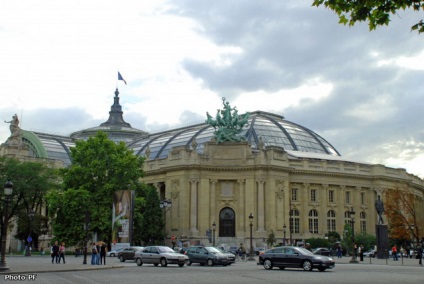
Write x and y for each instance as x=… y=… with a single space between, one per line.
x=382 y=241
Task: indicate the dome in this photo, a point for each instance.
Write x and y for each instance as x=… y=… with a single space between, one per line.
x=272 y=129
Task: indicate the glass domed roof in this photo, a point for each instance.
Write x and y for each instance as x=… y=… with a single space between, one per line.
x=272 y=129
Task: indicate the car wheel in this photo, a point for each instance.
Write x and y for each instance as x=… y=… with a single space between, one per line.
x=189 y=262
x=180 y=264
x=268 y=264
x=282 y=267
x=139 y=262
x=163 y=262
x=209 y=262
x=322 y=269
x=121 y=258
x=307 y=265
x=112 y=254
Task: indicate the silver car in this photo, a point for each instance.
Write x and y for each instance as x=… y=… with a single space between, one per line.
x=160 y=255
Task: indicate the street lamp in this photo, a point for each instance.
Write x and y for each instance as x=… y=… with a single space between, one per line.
x=352 y=221
x=31 y=215
x=87 y=220
x=8 y=190
x=284 y=232
x=213 y=232
x=251 y=241
x=165 y=205
x=413 y=234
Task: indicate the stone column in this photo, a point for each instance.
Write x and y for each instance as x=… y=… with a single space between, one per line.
x=193 y=205
x=213 y=216
x=241 y=213
x=261 y=205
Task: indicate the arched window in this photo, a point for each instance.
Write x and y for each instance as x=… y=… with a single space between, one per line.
x=363 y=222
x=227 y=223
x=331 y=221
x=294 y=221
x=313 y=221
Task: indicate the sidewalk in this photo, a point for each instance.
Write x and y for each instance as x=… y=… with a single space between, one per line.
x=19 y=264
x=369 y=260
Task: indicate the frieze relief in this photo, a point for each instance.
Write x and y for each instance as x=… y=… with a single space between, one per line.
x=175 y=185
x=279 y=184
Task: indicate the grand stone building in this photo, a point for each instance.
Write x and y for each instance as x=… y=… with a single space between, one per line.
x=293 y=181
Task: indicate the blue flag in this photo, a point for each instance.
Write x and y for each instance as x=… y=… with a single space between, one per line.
x=120 y=78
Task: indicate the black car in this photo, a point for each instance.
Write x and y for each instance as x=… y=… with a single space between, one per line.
x=294 y=257
x=206 y=255
x=128 y=253
x=322 y=251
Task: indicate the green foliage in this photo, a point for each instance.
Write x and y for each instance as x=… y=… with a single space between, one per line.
x=32 y=181
x=367 y=240
x=318 y=242
x=334 y=237
x=271 y=239
x=99 y=167
x=153 y=219
x=375 y=12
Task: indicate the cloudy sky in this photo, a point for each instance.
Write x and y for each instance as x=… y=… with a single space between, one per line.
x=362 y=91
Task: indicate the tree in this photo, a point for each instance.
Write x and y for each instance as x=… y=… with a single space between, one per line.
x=404 y=214
x=375 y=12
x=32 y=181
x=153 y=220
x=99 y=167
x=271 y=239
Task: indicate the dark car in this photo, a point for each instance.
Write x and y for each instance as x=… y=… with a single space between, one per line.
x=206 y=255
x=159 y=255
x=231 y=256
x=322 y=251
x=128 y=253
x=294 y=257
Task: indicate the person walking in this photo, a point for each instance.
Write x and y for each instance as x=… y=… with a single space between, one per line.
x=361 y=253
x=103 y=251
x=420 y=254
x=339 y=251
x=242 y=252
x=394 y=253
x=94 y=254
x=54 y=252
x=62 y=252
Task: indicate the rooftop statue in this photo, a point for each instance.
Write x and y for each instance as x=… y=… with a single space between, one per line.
x=15 y=131
x=229 y=123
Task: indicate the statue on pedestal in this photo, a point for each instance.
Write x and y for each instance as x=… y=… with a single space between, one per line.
x=15 y=131
x=379 y=206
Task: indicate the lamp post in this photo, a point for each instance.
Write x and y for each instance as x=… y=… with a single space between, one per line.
x=213 y=232
x=165 y=205
x=291 y=225
x=284 y=232
x=31 y=215
x=251 y=240
x=87 y=220
x=8 y=190
x=352 y=222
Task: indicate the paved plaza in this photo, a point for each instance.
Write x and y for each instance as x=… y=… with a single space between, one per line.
x=39 y=269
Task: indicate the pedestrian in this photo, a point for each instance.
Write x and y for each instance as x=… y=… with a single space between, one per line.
x=339 y=251
x=54 y=252
x=394 y=253
x=94 y=254
x=308 y=246
x=98 y=253
x=420 y=254
x=62 y=252
x=242 y=250
x=103 y=251
x=361 y=253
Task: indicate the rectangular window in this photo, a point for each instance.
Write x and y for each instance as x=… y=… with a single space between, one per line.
x=347 y=197
x=331 y=196
x=331 y=225
x=294 y=194
x=313 y=195
x=295 y=225
x=363 y=201
x=363 y=226
x=313 y=225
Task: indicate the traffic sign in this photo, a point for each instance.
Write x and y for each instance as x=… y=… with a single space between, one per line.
x=29 y=239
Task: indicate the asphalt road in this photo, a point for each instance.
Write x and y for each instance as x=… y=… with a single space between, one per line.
x=241 y=272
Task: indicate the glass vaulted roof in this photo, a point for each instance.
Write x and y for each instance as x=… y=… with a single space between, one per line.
x=272 y=129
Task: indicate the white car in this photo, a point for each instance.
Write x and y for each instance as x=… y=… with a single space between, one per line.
x=369 y=253
x=160 y=255
x=114 y=252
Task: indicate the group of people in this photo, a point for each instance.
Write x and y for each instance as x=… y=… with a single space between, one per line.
x=98 y=253
x=57 y=252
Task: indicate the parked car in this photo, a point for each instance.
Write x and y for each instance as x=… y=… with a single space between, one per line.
x=206 y=255
x=231 y=256
x=159 y=255
x=322 y=251
x=114 y=252
x=294 y=257
x=369 y=253
x=128 y=253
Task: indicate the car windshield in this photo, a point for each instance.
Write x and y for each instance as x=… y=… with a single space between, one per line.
x=304 y=251
x=165 y=249
x=212 y=249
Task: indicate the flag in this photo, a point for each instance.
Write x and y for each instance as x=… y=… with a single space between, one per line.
x=120 y=78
